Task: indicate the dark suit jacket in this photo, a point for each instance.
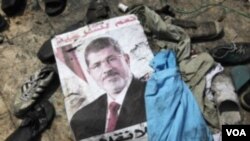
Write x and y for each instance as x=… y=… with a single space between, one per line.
x=91 y=119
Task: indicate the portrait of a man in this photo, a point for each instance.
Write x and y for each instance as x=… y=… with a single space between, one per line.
x=123 y=103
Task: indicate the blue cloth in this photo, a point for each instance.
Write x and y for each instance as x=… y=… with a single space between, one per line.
x=171 y=109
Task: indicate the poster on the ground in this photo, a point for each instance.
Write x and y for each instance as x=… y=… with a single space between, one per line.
x=103 y=68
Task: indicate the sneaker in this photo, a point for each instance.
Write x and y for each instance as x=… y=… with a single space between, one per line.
x=38 y=119
x=231 y=54
x=200 y=31
x=39 y=86
x=245 y=100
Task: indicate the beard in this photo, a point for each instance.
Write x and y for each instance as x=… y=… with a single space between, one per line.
x=114 y=84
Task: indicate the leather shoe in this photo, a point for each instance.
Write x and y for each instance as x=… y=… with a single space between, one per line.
x=200 y=30
x=37 y=120
x=232 y=53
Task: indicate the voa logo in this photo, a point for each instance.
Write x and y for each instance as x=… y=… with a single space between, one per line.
x=236 y=132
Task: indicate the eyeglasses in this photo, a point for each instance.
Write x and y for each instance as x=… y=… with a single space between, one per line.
x=109 y=60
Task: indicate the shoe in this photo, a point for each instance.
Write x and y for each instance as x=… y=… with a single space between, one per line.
x=37 y=120
x=40 y=86
x=45 y=54
x=200 y=31
x=12 y=7
x=232 y=53
x=245 y=100
x=54 y=7
x=166 y=10
x=98 y=10
x=227 y=101
x=3 y=23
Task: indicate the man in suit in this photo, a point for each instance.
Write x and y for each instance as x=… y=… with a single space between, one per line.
x=123 y=103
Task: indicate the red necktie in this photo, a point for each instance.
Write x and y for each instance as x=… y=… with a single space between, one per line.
x=113 y=108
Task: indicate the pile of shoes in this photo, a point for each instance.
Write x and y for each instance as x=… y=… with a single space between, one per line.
x=32 y=105
x=231 y=94
x=236 y=55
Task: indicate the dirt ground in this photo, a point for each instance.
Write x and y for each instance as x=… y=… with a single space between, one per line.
x=28 y=30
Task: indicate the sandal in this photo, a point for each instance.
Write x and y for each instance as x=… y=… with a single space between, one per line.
x=40 y=86
x=226 y=99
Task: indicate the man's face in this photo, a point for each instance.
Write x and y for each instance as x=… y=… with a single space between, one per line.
x=110 y=69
